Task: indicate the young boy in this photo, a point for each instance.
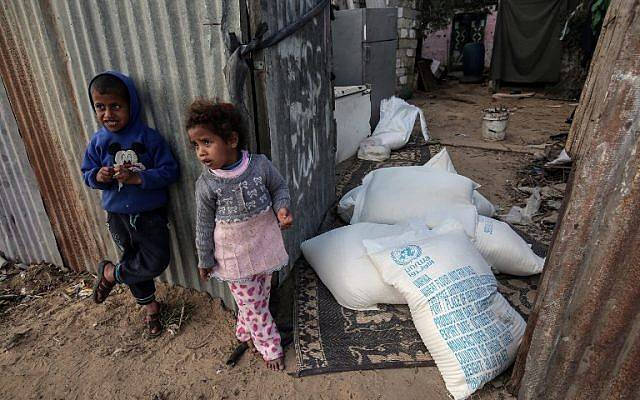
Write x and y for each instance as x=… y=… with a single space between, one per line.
x=132 y=165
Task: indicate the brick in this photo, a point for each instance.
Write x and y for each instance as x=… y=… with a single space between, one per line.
x=407 y=43
x=404 y=12
x=405 y=23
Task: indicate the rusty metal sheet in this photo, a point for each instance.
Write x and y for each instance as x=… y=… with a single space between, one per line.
x=174 y=51
x=583 y=341
x=298 y=126
x=25 y=231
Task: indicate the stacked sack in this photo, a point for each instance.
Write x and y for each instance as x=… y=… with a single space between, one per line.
x=470 y=330
x=391 y=198
x=408 y=210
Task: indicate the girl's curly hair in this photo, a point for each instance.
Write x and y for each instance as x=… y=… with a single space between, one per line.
x=220 y=118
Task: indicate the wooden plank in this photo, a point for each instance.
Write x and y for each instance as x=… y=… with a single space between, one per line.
x=492 y=146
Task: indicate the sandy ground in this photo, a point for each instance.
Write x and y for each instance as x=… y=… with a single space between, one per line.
x=454 y=114
x=55 y=344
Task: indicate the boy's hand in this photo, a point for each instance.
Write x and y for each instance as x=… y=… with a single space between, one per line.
x=126 y=176
x=105 y=175
x=204 y=273
x=285 y=218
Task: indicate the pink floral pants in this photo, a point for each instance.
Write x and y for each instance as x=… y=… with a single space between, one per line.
x=254 y=319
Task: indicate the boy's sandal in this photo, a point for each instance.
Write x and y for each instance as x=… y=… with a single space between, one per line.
x=102 y=287
x=154 y=324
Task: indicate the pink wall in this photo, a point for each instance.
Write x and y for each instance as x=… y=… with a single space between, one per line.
x=436 y=45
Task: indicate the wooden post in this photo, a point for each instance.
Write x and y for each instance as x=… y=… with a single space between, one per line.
x=583 y=336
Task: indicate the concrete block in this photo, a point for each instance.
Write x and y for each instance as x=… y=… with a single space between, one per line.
x=408 y=43
x=404 y=12
x=405 y=23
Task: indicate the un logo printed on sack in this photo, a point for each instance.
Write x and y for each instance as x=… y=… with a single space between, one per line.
x=406 y=254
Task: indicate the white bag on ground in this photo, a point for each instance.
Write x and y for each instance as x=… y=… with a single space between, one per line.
x=397 y=118
x=347 y=204
x=442 y=161
x=524 y=216
x=397 y=194
x=372 y=150
x=484 y=206
x=505 y=250
x=470 y=330
x=393 y=131
x=341 y=262
x=433 y=218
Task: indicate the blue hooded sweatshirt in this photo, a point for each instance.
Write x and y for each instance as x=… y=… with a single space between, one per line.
x=139 y=145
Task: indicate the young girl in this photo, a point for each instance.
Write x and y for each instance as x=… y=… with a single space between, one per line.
x=242 y=203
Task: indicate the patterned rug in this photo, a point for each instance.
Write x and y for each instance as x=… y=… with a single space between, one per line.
x=331 y=338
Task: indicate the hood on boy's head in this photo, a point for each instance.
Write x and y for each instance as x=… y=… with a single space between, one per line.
x=134 y=102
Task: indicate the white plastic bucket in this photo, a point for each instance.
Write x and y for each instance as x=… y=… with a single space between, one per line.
x=494 y=124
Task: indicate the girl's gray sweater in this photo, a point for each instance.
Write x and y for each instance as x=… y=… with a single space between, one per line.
x=228 y=200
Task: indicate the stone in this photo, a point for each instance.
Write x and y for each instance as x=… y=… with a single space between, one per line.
x=408 y=43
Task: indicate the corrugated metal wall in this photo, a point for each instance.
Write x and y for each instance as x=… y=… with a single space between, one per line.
x=25 y=230
x=583 y=338
x=174 y=50
x=49 y=50
x=296 y=96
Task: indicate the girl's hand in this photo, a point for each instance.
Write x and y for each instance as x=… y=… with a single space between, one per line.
x=204 y=273
x=285 y=218
x=105 y=175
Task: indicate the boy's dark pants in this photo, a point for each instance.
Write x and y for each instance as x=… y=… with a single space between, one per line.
x=144 y=241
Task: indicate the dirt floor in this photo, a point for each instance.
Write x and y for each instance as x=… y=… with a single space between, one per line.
x=454 y=116
x=56 y=344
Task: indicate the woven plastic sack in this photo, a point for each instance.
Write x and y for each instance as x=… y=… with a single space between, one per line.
x=442 y=161
x=341 y=262
x=470 y=330
x=505 y=250
x=397 y=118
x=398 y=194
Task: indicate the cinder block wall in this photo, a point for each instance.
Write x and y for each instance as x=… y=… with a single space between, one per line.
x=407 y=44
